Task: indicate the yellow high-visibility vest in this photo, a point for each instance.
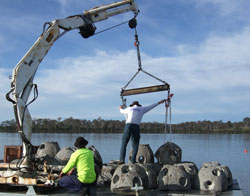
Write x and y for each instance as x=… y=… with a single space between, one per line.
x=83 y=161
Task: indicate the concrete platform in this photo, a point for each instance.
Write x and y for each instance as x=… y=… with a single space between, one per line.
x=236 y=191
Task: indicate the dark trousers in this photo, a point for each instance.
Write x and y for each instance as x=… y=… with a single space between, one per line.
x=72 y=184
x=133 y=131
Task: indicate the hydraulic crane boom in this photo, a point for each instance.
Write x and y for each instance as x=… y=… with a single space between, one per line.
x=24 y=72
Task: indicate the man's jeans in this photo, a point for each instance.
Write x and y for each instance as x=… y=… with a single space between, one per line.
x=133 y=131
x=71 y=183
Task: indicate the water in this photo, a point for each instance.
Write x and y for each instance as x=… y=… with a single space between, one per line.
x=228 y=149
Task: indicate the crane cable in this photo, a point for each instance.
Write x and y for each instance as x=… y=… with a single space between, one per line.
x=111 y=27
x=168 y=100
x=137 y=45
x=168 y=109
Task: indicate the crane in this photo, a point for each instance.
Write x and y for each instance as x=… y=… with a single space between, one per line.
x=24 y=72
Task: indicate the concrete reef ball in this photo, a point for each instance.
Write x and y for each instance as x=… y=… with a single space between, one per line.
x=144 y=154
x=104 y=179
x=97 y=156
x=224 y=168
x=191 y=169
x=169 y=153
x=64 y=154
x=97 y=160
x=213 y=177
x=173 y=177
x=151 y=171
x=48 y=148
x=127 y=176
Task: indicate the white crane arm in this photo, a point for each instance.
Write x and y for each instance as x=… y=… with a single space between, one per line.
x=24 y=72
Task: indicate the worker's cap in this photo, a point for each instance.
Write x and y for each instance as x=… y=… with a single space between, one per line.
x=135 y=103
x=80 y=142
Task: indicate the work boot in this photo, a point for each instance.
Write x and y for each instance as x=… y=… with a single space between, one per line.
x=84 y=191
x=120 y=162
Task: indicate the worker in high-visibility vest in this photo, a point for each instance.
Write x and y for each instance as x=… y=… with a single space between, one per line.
x=83 y=161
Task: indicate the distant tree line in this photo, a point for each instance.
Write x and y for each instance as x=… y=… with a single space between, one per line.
x=71 y=125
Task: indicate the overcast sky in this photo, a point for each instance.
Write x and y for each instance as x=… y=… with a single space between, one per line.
x=200 y=47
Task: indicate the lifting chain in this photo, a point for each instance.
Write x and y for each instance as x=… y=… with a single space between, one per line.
x=137 y=45
x=168 y=114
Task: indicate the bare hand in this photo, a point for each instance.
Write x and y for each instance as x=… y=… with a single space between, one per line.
x=70 y=172
x=61 y=175
x=162 y=101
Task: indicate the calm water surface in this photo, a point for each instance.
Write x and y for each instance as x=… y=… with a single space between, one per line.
x=228 y=149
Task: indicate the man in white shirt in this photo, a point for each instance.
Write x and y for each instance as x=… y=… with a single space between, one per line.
x=133 y=115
